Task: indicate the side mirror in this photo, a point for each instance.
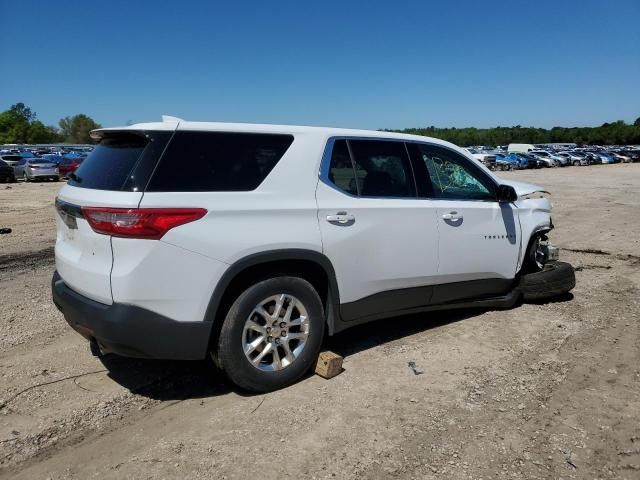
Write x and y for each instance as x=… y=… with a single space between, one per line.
x=507 y=194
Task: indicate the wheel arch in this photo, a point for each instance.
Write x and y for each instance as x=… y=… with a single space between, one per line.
x=313 y=266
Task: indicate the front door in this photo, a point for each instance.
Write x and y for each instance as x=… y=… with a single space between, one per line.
x=479 y=237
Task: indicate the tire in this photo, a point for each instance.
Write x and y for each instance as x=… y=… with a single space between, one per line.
x=555 y=279
x=13 y=179
x=230 y=353
x=25 y=178
x=55 y=179
x=576 y=163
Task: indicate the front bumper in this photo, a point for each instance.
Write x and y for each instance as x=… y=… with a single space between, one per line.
x=129 y=330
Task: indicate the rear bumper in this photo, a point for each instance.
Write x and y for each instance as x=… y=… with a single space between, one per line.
x=129 y=330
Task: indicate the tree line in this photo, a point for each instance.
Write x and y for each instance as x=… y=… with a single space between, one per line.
x=616 y=133
x=19 y=124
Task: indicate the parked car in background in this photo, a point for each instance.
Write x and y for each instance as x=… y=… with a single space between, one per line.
x=52 y=157
x=488 y=159
x=549 y=158
x=68 y=165
x=504 y=162
x=634 y=155
x=10 y=158
x=607 y=157
x=36 y=169
x=544 y=161
x=620 y=157
x=574 y=158
x=520 y=162
x=6 y=172
x=520 y=147
x=532 y=160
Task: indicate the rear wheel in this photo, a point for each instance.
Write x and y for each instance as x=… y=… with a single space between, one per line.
x=576 y=163
x=272 y=334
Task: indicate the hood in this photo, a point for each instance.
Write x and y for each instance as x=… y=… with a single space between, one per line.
x=523 y=188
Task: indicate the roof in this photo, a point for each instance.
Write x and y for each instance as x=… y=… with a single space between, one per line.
x=173 y=123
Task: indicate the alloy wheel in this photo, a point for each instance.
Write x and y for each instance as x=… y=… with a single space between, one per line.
x=276 y=332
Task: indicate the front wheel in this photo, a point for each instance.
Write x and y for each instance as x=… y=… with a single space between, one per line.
x=25 y=178
x=272 y=334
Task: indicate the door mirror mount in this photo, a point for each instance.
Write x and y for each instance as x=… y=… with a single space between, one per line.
x=506 y=194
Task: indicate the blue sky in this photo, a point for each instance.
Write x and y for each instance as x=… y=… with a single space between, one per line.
x=365 y=64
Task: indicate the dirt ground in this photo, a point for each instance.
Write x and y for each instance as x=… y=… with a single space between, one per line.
x=539 y=391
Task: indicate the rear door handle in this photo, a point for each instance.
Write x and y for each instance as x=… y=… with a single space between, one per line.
x=341 y=218
x=452 y=216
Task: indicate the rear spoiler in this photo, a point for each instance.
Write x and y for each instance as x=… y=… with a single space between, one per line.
x=168 y=123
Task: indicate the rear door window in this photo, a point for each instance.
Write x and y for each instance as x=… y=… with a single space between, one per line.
x=217 y=161
x=382 y=168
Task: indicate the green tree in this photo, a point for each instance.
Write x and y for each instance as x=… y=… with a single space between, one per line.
x=77 y=129
x=637 y=122
x=14 y=123
x=40 y=133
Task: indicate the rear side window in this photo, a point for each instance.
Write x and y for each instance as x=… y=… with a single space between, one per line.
x=121 y=161
x=218 y=161
x=382 y=168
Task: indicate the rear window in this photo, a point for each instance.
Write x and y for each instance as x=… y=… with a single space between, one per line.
x=217 y=161
x=121 y=161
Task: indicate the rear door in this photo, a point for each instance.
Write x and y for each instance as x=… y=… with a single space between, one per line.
x=114 y=175
x=381 y=239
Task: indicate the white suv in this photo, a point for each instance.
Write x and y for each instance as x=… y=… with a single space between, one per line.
x=177 y=239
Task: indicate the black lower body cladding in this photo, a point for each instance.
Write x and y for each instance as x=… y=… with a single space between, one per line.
x=129 y=330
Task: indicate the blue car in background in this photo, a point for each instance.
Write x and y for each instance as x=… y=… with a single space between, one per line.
x=607 y=157
x=505 y=162
x=52 y=157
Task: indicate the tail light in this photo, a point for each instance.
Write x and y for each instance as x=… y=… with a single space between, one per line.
x=147 y=223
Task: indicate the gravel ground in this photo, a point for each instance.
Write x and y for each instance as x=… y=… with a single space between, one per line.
x=539 y=391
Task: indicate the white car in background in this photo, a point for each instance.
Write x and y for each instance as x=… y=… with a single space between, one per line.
x=248 y=242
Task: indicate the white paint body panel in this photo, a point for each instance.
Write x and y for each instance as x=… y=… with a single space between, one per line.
x=392 y=244
x=484 y=243
x=83 y=257
x=163 y=278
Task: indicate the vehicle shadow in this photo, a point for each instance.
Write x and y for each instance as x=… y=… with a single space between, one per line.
x=374 y=334
x=180 y=380
x=167 y=379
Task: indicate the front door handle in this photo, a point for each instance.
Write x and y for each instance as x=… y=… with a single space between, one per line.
x=341 y=218
x=452 y=216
